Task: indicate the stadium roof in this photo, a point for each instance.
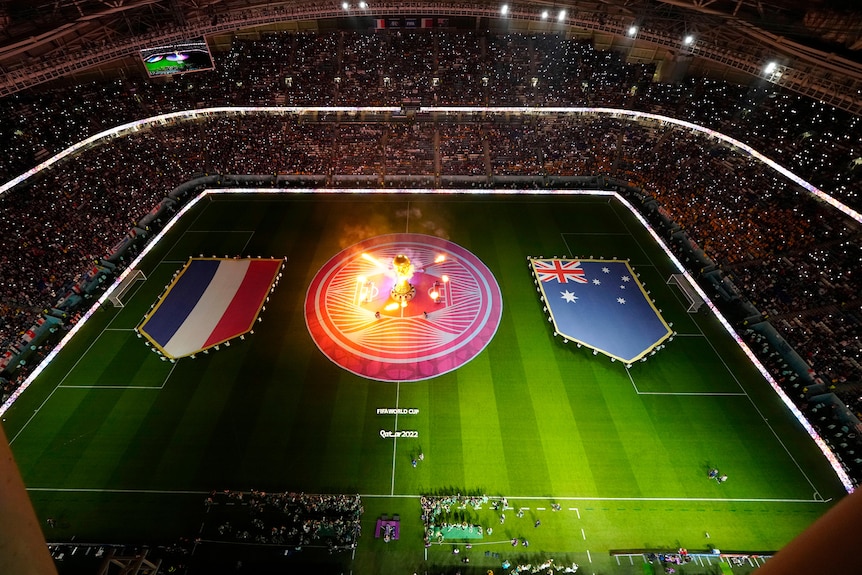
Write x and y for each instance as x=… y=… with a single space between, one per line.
x=816 y=45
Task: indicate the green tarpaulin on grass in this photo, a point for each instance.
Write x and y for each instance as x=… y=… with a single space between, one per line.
x=459 y=532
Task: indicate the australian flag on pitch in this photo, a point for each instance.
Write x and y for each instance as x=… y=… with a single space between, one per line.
x=602 y=305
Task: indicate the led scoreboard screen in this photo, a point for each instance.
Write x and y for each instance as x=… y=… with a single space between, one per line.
x=177 y=58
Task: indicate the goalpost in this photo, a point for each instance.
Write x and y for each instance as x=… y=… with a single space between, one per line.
x=116 y=296
x=694 y=299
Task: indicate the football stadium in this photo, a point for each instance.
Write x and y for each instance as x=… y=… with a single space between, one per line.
x=429 y=288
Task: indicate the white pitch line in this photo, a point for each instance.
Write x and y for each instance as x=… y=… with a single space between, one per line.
x=387 y=496
x=418 y=496
x=150 y=387
x=584 y=535
x=130 y=491
x=245 y=245
x=750 y=399
x=704 y=393
x=685 y=393
x=36 y=411
x=631 y=379
x=576 y=511
x=109 y=387
x=710 y=499
x=563 y=235
x=170 y=373
x=395 y=440
x=590 y=557
x=760 y=413
x=596 y=234
x=219 y=232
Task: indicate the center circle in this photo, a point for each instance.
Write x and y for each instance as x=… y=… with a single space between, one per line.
x=362 y=322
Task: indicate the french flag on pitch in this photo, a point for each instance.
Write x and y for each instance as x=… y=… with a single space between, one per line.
x=210 y=302
x=602 y=305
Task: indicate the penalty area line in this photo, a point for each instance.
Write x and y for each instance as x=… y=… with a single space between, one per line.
x=50 y=395
x=685 y=393
x=115 y=387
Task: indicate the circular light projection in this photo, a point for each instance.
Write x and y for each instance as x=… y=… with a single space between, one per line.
x=360 y=321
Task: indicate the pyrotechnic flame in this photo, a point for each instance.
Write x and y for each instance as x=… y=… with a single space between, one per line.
x=369 y=258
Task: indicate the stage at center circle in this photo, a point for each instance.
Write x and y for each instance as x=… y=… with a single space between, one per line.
x=355 y=321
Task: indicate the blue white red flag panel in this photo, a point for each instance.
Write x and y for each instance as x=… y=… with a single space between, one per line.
x=601 y=304
x=210 y=302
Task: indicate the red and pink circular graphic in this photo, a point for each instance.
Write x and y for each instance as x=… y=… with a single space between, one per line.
x=445 y=314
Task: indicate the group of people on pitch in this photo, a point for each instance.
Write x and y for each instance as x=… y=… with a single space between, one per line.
x=714 y=474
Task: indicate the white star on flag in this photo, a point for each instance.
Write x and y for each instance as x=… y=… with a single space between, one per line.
x=621 y=300
x=622 y=287
x=570 y=297
x=606 y=270
x=597 y=282
x=626 y=279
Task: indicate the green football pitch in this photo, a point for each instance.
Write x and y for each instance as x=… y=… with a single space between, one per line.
x=116 y=445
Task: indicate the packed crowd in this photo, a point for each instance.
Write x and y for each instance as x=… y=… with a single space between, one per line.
x=284 y=519
x=829 y=414
x=441 y=68
x=791 y=256
x=454 y=519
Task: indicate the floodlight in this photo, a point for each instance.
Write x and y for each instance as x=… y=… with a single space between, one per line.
x=363 y=5
x=561 y=16
x=688 y=40
x=770 y=68
x=345 y=6
x=504 y=9
x=633 y=30
x=544 y=14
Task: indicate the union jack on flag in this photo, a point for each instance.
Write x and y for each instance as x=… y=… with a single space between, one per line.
x=560 y=271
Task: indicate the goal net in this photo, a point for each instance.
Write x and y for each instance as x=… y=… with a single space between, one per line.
x=691 y=294
x=116 y=296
